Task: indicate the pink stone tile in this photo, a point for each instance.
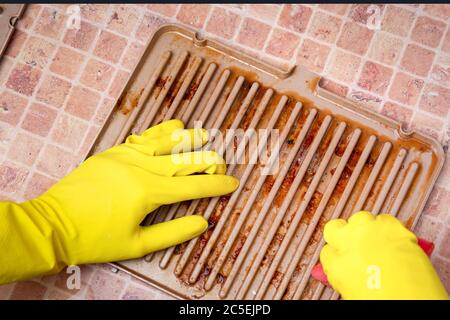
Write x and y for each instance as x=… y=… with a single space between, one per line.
x=47 y=279
x=313 y=55
x=69 y=131
x=266 y=12
x=446 y=144
x=67 y=62
x=385 y=48
x=444 y=247
x=343 y=66
x=53 y=91
x=104 y=286
x=132 y=55
x=37 y=185
x=397 y=20
x=405 y=89
x=123 y=18
x=25 y=148
x=6 y=65
x=94 y=12
x=6 y=135
x=428 y=228
x=15 y=45
x=28 y=290
x=54 y=294
x=55 y=161
x=5 y=290
x=168 y=10
x=295 y=17
x=435 y=99
x=37 y=52
x=110 y=46
x=442 y=267
x=29 y=16
x=428 y=31
x=339 y=9
x=23 y=79
x=118 y=83
x=363 y=12
x=417 y=60
x=223 y=23
x=12 y=177
x=39 y=119
x=333 y=87
x=193 y=14
x=366 y=100
x=253 y=33
x=355 y=38
x=50 y=23
x=10 y=197
x=324 y=27
x=97 y=75
x=82 y=102
x=375 y=77
x=441 y=11
x=63 y=279
x=11 y=107
x=149 y=24
x=398 y=113
x=237 y=7
x=438 y=203
x=446 y=42
x=103 y=110
x=441 y=75
x=427 y=125
x=63 y=7
x=282 y=44
x=136 y=293
x=82 y=38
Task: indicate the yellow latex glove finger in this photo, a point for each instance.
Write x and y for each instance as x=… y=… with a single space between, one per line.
x=200 y=186
x=177 y=164
x=164 y=128
x=376 y=257
x=332 y=232
x=166 y=234
x=180 y=140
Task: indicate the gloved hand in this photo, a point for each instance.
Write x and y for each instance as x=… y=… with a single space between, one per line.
x=93 y=214
x=376 y=257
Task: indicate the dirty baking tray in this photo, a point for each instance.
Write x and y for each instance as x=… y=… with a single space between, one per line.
x=335 y=158
x=9 y=15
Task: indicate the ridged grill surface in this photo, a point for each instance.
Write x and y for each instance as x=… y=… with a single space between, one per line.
x=334 y=160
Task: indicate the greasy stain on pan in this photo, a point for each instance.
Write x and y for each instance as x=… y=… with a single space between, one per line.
x=336 y=158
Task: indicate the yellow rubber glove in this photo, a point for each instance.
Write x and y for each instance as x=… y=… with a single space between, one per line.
x=376 y=257
x=93 y=214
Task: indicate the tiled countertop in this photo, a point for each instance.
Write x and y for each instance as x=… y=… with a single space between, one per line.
x=57 y=85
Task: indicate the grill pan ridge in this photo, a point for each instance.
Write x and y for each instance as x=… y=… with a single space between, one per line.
x=336 y=158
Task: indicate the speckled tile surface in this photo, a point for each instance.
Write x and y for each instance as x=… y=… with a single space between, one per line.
x=57 y=85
